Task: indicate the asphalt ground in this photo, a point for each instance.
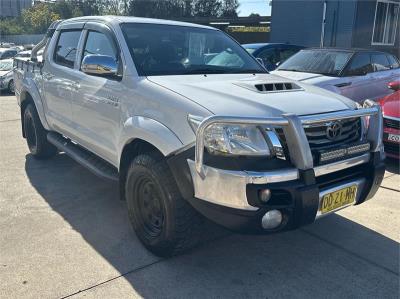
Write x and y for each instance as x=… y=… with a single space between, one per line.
x=65 y=234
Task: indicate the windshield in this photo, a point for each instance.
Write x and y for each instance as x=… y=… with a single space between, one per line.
x=6 y=65
x=329 y=63
x=178 y=50
x=250 y=50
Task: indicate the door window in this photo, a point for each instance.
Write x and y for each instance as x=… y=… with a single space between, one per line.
x=286 y=53
x=9 y=54
x=385 y=24
x=99 y=44
x=270 y=58
x=380 y=62
x=360 y=65
x=67 y=44
x=394 y=63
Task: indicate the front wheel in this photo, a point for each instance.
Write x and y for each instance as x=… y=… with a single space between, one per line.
x=36 y=135
x=164 y=222
x=11 y=87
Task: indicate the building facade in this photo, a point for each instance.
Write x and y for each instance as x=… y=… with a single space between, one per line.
x=13 y=8
x=373 y=24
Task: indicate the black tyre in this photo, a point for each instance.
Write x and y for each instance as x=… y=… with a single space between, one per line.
x=164 y=222
x=36 y=135
x=11 y=86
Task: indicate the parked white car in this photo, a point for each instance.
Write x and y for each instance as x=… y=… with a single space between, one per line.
x=26 y=55
x=355 y=74
x=186 y=135
x=6 y=75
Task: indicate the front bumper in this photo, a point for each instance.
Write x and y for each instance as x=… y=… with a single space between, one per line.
x=231 y=197
x=392 y=148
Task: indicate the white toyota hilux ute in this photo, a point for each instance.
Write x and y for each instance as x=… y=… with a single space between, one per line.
x=191 y=125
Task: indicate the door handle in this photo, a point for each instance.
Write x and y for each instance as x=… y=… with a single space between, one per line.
x=344 y=84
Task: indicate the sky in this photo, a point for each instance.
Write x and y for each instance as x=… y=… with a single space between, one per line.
x=257 y=6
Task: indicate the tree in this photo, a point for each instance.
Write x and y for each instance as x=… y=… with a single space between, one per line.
x=207 y=8
x=229 y=8
x=164 y=9
x=38 y=18
x=254 y=15
x=11 y=26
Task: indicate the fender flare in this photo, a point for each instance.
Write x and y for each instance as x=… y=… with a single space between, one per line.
x=29 y=88
x=151 y=131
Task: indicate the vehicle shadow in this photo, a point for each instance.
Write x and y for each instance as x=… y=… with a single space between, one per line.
x=6 y=93
x=392 y=165
x=333 y=258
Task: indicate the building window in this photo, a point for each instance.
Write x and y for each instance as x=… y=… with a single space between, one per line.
x=385 y=24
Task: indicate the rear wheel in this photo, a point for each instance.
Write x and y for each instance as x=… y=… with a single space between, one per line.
x=164 y=222
x=36 y=135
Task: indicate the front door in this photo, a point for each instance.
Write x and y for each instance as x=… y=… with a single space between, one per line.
x=96 y=102
x=357 y=79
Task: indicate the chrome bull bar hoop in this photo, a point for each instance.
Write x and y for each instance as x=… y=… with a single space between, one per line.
x=299 y=149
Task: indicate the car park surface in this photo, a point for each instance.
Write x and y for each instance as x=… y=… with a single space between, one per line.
x=64 y=233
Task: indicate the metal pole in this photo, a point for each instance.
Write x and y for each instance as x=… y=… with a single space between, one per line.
x=323 y=25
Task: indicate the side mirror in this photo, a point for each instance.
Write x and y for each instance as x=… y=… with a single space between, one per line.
x=394 y=85
x=278 y=63
x=99 y=65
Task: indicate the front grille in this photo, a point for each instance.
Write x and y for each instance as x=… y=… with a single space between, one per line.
x=318 y=138
x=391 y=123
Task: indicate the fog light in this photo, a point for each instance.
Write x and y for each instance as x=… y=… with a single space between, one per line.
x=264 y=195
x=272 y=219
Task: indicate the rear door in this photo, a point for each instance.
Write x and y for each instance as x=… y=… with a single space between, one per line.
x=60 y=77
x=96 y=101
x=382 y=75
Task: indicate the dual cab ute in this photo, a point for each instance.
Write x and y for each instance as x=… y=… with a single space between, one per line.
x=191 y=125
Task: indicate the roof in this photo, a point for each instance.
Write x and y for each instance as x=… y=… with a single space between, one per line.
x=124 y=19
x=352 y=50
x=260 y=45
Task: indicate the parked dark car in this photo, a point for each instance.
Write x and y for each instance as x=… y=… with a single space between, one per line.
x=272 y=54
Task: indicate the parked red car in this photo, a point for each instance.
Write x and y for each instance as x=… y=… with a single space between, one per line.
x=391 y=121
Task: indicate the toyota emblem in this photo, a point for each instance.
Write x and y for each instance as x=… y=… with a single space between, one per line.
x=334 y=130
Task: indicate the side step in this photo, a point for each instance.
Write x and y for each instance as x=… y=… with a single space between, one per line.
x=87 y=159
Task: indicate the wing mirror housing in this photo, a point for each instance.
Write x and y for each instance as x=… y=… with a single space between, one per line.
x=100 y=65
x=394 y=85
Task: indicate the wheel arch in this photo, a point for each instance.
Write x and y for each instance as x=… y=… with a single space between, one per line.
x=28 y=96
x=143 y=135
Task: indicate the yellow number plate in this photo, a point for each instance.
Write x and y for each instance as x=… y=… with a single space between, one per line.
x=337 y=199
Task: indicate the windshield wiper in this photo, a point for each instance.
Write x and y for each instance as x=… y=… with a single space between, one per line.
x=292 y=70
x=205 y=71
x=250 y=72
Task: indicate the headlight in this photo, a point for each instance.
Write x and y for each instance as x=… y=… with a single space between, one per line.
x=240 y=140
